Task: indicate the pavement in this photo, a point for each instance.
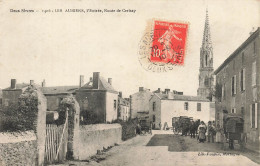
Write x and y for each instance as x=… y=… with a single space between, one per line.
x=163 y=148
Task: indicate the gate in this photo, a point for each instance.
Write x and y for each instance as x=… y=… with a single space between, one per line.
x=56 y=142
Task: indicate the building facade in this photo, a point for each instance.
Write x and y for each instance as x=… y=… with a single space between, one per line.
x=237 y=87
x=206 y=70
x=123 y=108
x=163 y=107
x=98 y=100
x=11 y=94
x=139 y=103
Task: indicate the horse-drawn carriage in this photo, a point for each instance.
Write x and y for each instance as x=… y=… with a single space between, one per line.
x=181 y=124
x=233 y=128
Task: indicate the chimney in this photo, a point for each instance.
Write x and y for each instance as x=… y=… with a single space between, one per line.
x=159 y=90
x=170 y=95
x=109 y=81
x=141 y=89
x=13 y=83
x=167 y=91
x=120 y=94
x=81 y=80
x=174 y=92
x=43 y=83
x=90 y=79
x=96 y=76
x=31 y=82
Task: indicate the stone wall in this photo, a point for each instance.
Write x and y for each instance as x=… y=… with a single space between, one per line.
x=18 y=148
x=95 y=137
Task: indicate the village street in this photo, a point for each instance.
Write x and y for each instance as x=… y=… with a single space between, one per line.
x=164 y=148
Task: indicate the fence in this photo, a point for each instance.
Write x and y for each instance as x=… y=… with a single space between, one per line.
x=56 y=143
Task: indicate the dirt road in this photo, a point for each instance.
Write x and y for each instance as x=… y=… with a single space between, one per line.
x=166 y=149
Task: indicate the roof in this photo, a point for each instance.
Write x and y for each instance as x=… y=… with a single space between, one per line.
x=18 y=86
x=235 y=53
x=181 y=97
x=103 y=85
x=59 y=89
x=123 y=101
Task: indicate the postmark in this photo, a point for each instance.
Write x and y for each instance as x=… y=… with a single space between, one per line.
x=163 y=45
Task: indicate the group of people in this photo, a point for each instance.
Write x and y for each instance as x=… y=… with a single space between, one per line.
x=199 y=129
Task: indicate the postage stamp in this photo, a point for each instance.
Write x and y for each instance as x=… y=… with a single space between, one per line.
x=163 y=46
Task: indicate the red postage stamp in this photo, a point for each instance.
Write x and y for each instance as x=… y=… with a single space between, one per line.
x=169 y=42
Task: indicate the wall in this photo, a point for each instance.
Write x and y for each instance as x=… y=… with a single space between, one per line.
x=175 y=108
x=41 y=126
x=18 y=148
x=156 y=112
x=92 y=101
x=140 y=102
x=95 y=137
x=111 y=112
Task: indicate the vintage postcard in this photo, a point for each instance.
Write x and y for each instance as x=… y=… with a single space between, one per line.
x=129 y=82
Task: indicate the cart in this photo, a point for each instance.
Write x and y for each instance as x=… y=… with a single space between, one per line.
x=233 y=128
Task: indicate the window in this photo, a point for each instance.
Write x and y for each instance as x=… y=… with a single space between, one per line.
x=198 y=106
x=242 y=79
x=254 y=74
x=243 y=58
x=206 y=81
x=233 y=85
x=126 y=118
x=242 y=111
x=253 y=115
x=233 y=110
x=114 y=104
x=186 y=106
x=223 y=91
x=254 y=48
x=6 y=102
x=153 y=106
x=153 y=118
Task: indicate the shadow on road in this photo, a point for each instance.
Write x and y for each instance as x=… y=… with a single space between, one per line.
x=177 y=143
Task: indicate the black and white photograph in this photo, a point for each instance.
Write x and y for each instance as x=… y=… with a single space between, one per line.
x=129 y=83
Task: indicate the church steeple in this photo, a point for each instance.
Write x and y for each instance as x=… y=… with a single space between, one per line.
x=206 y=47
x=206 y=62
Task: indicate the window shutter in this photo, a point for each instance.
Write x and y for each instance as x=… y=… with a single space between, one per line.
x=244 y=79
x=239 y=80
x=256 y=115
x=235 y=84
x=251 y=116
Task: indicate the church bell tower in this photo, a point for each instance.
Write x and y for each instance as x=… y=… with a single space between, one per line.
x=206 y=64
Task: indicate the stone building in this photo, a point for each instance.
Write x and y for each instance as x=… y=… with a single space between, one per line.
x=164 y=106
x=139 y=103
x=11 y=94
x=98 y=100
x=206 y=70
x=1 y=97
x=237 y=87
x=123 y=108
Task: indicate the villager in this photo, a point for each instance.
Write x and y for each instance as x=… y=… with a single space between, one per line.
x=192 y=129
x=202 y=132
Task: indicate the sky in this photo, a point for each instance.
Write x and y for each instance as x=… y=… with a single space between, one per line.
x=59 y=47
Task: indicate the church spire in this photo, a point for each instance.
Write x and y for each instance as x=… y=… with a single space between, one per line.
x=206 y=42
x=206 y=79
